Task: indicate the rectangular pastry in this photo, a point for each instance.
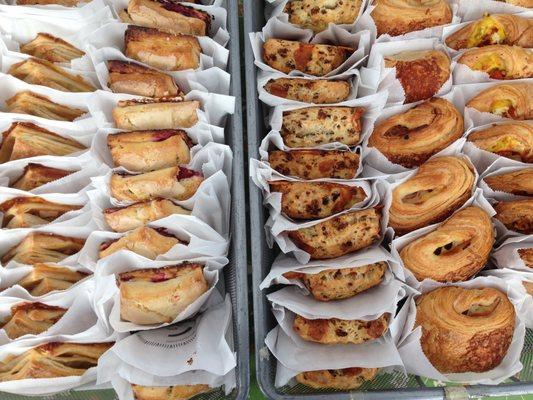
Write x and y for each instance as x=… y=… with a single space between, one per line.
x=46 y=278
x=178 y=392
x=316 y=91
x=35 y=175
x=51 y=48
x=30 y=103
x=31 y=319
x=318 y=14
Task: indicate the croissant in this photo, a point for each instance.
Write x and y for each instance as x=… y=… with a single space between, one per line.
x=526 y=255
x=317 y=91
x=31 y=319
x=409 y=139
x=340 y=379
x=178 y=392
x=35 y=175
x=493 y=29
x=510 y=100
x=398 y=17
x=516 y=215
x=51 y=48
x=518 y=182
x=27 y=102
x=439 y=187
x=45 y=278
x=26 y=212
x=318 y=14
x=465 y=330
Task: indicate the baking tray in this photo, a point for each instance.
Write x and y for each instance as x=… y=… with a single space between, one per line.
x=235 y=273
x=388 y=386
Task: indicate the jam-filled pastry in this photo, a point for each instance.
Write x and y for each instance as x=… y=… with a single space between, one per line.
x=51 y=48
x=25 y=212
x=35 y=175
x=516 y=215
x=509 y=100
x=465 y=330
x=318 y=14
x=177 y=392
x=412 y=137
x=30 y=103
x=313 y=59
x=315 y=164
x=31 y=319
x=154 y=296
x=316 y=91
x=46 y=278
x=518 y=182
x=339 y=379
x=526 y=255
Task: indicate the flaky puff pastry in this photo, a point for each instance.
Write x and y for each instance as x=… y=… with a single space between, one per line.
x=46 y=278
x=439 y=187
x=516 y=215
x=35 y=175
x=412 y=137
x=518 y=182
x=455 y=251
x=65 y=3
x=30 y=103
x=509 y=100
x=528 y=286
x=316 y=91
x=340 y=379
x=526 y=255
x=318 y=14
x=31 y=319
x=397 y=17
x=178 y=392
x=520 y=3
x=493 y=29
x=465 y=330
x=51 y=48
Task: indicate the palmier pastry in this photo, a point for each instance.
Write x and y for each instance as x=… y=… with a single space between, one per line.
x=31 y=319
x=340 y=379
x=154 y=296
x=143 y=151
x=465 y=330
x=41 y=247
x=162 y=50
x=122 y=219
x=518 y=182
x=313 y=126
x=317 y=91
x=35 y=175
x=41 y=72
x=516 y=215
x=412 y=137
x=25 y=140
x=45 y=278
x=177 y=183
x=178 y=392
x=30 y=103
x=398 y=17
x=313 y=200
x=25 y=212
x=339 y=235
x=493 y=29
x=51 y=48
x=132 y=78
x=526 y=255
x=343 y=283
x=318 y=14
x=421 y=73
x=340 y=331
x=509 y=100
x=315 y=164
x=313 y=59
x=52 y=360
x=439 y=187
x=455 y=251
x=155 y=114
x=513 y=140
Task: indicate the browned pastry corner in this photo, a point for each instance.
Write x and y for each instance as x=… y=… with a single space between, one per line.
x=27 y=102
x=516 y=215
x=340 y=379
x=509 y=100
x=31 y=319
x=178 y=392
x=520 y=3
x=51 y=48
x=35 y=175
x=526 y=255
x=412 y=137
x=46 y=278
x=318 y=14
x=316 y=91
x=439 y=187
x=421 y=73
x=65 y=3
x=313 y=59
x=26 y=212
x=339 y=235
x=455 y=251
x=518 y=182
x=529 y=287
x=465 y=330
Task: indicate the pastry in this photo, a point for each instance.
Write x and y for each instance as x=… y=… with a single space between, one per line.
x=516 y=215
x=313 y=126
x=520 y=3
x=178 y=392
x=518 y=182
x=315 y=164
x=465 y=330
x=31 y=319
x=314 y=200
x=528 y=286
x=122 y=219
x=439 y=187
x=509 y=100
x=27 y=102
x=412 y=137
x=421 y=73
x=313 y=59
x=26 y=212
x=46 y=278
x=41 y=72
x=318 y=14
x=51 y=48
x=143 y=151
x=25 y=140
x=162 y=50
x=455 y=251
x=157 y=296
x=513 y=140
x=398 y=17
x=339 y=235
x=64 y=3
x=148 y=114
x=526 y=255
x=35 y=175
x=339 y=379
x=317 y=91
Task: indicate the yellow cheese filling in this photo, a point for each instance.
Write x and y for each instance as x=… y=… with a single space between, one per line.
x=486 y=31
x=501 y=107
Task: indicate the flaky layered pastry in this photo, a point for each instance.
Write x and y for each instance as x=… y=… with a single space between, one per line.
x=156 y=296
x=339 y=235
x=65 y=3
x=178 y=392
x=421 y=73
x=516 y=215
x=313 y=59
x=521 y=3
x=529 y=287
x=318 y=14
x=313 y=200
x=439 y=187
x=162 y=50
x=317 y=91
x=518 y=182
x=45 y=278
x=509 y=100
x=315 y=164
x=526 y=255
x=31 y=319
x=27 y=102
x=35 y=175
x=412 y=137
x=51 y=48
x=465 y=330
x=340 y=379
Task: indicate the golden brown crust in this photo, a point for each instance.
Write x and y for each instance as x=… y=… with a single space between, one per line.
x=521 y=3
x=516 y=215
x=26 y=212
x=318 y=14
x=340 y=379
x=178 y=392
x=526 y=255
x=316 y=91
x=31 y=319
x=518 y=182
x=30 y=103
x=51 y=48
x=45 y=278
x=509 y=100
x=35 y=175
x=529 y=287
x=65 y=3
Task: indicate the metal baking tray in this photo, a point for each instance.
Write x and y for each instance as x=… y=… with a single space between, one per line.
x=388 y=386
x=235 y=273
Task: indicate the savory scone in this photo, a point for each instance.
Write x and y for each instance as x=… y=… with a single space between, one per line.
x=516 y=215
x=509 y=100
x=26 y=212
x=339 y=379
x=313 y=126
x=51 y=48
x=178 y=392
x=519 y=182
x=313 y=59
x=29 y=318
x=46 y=278
x=35 y=175
x=526 y=255
x=30 y=103
x=316 y=91
x=318 y=14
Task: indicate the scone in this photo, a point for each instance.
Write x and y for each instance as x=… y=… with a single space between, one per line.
x=518 y=182
x=35 y=175
x=30 y=103
x=46 y=278
x=339 y=379
x=516 y=215
x=29 y=318
x=318 y=14
x=26 y=212
x=316 y=91
x=51 y=48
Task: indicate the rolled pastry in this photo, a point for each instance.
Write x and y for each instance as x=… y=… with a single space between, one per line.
x=518 y=182
x=516 y=215
x=509 y=100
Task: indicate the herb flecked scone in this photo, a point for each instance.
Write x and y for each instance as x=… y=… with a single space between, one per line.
x=315 y=91
x=318 y=14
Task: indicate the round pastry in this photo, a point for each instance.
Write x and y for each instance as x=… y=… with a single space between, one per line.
x=439 y=187
x=516 y=215
x=465 y=330
x=518 y=182
x=526 y=255
x=315 y=91
x=318 y=14
x=410 y=138
x=509 y=100
x=455 y=251
x=340 y=379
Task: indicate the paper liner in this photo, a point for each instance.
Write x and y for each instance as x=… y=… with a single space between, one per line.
x=82 y=11
x=506 y=255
